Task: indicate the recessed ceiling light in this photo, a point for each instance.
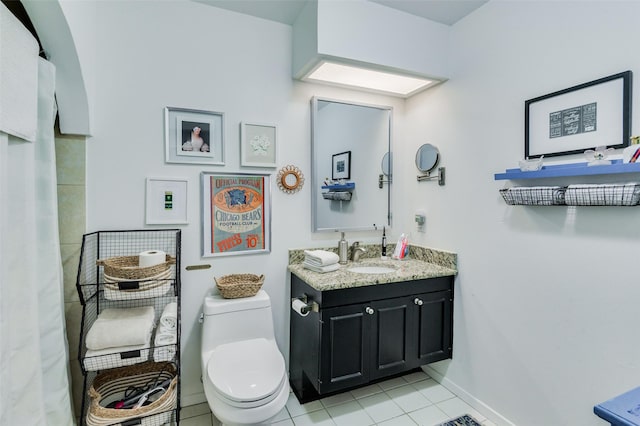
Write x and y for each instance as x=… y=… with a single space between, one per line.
x=378 y=81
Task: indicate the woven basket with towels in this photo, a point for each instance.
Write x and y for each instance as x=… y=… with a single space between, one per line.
x=234 y=286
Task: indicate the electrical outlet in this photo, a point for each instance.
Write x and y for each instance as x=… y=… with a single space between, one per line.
x=421 y=219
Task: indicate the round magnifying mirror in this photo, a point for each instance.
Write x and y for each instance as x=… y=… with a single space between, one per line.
x=386 y=164
x=427 y=158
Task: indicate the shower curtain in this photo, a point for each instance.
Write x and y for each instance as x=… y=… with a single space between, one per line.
x=34 y=379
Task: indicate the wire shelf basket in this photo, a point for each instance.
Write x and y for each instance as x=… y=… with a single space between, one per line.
x=170 y=416
x=105 y=359
x=101 y=254
x=603 y=195
x=534 y=195
x=616 y=194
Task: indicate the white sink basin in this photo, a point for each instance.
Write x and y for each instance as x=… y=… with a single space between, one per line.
x=371 y=269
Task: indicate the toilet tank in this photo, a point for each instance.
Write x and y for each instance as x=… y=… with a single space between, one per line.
x=230 y=320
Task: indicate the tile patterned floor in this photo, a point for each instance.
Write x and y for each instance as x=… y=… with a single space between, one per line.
x=414 y=399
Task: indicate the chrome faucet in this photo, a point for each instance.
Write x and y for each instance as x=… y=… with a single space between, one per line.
x=357 y=251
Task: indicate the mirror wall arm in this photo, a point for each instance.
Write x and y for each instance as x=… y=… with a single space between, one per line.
x=439 y=176
x=381 y=180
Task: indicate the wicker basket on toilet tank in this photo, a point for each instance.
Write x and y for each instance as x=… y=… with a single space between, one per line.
x=234 y=286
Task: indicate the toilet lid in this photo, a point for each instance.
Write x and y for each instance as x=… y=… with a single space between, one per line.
x=246 y=371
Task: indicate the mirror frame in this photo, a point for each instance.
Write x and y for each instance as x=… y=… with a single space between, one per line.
x=285 y=172
x=315 y=186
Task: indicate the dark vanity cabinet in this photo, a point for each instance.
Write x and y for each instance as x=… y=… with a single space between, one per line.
x=362 y=334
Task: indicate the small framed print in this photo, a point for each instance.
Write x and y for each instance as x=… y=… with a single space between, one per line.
x=570 y=121
x=166 y=201
x=194 y=136
x=258 y=145
x=341 y=168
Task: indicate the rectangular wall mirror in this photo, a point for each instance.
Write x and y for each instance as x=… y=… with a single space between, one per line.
x=349 y=141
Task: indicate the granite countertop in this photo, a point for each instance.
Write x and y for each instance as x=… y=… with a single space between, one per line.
x=421 y=263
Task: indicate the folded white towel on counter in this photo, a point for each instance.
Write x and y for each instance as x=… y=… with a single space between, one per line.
x=102 y=359
x=321 y=269
x=320 y=257
x=169 y=317
x=121 y=327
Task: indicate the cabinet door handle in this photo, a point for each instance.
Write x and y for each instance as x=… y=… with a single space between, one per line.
x=417 y=301
x=369 y=310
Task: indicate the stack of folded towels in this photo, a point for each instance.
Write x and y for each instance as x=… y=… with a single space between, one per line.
x=166 y=334
x=119 y=337
x=321 y=261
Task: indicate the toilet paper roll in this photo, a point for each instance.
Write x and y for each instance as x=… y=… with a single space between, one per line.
x=151 y=258
x=300 y=307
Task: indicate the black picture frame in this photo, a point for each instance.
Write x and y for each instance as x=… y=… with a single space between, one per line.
x=582 y=117
x=341 y=165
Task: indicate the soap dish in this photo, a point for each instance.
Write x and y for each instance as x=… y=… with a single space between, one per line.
x=532 y=165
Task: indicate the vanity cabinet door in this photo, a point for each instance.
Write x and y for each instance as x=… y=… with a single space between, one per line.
x=391 y=336
x=434 y=326
x=344 y=354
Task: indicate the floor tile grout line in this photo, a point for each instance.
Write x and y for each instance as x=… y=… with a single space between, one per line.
x=325 y=407
x=381 y=390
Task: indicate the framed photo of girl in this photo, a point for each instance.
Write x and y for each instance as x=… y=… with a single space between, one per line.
x=194 y=136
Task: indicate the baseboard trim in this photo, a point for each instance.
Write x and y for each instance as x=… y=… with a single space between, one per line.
x=474 y=402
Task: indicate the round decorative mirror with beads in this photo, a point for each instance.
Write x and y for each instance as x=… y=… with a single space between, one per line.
x=290 y=179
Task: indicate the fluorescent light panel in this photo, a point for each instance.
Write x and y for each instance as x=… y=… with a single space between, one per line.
x=347 y=75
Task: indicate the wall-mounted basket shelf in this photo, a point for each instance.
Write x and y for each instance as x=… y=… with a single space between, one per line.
x=574 y=169
x=620 y=194
x=339 y=192
x=348 y=186
x=337 y=195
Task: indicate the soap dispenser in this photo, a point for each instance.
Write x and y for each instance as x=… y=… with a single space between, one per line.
x=343 y=250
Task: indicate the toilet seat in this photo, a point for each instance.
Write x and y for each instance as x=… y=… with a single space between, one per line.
x=247 y=373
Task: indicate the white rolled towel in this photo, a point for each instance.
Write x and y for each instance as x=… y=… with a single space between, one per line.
x=165 y=343
x=169 y=317
x=166 y=337
x=164 y=353
x=321 y=257
x=121 y=327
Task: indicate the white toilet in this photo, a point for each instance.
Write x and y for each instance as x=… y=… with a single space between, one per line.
x=243 y=371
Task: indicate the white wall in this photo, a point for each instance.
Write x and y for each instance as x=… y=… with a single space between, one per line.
x=149 y=55
x=547 y=297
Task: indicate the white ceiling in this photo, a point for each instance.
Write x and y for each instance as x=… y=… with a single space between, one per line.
x=286 y=11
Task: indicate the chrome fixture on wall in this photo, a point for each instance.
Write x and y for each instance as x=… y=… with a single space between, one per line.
x=386 y=170
x=427 y=159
